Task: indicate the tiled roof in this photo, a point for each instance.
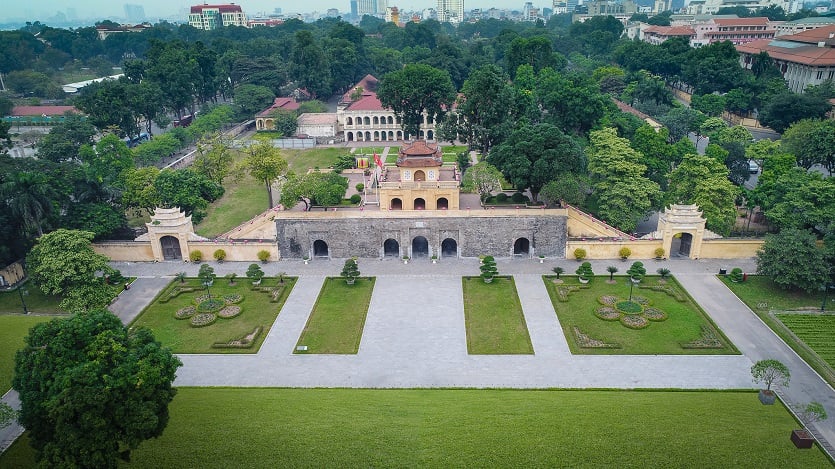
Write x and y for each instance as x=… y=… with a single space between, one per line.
x=784 y=49
x=813 y=36
x=671 y=30
x=758 y=21
x=285 y=103
x=368 y=102
x=419 y=153
x=317 y=118
x=42 y=110
x=368 y=83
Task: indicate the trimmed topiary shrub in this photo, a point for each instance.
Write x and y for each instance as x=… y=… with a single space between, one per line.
x=518 y=197
x=501 y=197
x=263 y=255
x=624 y=253
x=736 y=275
x=355 y=199
x=579 y=254
x=195 y=256
x=211 y=305
x=360 y=187
x=219 y=255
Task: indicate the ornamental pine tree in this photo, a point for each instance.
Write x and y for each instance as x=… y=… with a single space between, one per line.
x=350 y=271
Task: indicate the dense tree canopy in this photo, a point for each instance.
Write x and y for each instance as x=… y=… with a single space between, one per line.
x=793 y=260
x=92 y=390
x=703 y=181
x=414 y=90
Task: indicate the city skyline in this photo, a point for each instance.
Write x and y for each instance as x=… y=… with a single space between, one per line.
x=155 y=9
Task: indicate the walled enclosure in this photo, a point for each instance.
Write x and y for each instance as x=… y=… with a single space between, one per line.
x=363 y=234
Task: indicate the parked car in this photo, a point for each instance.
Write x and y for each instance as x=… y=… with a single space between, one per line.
x=753 y=167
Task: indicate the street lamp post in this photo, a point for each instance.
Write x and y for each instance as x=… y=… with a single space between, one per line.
x=826 y=288
x=632 y=282
x=22 y=301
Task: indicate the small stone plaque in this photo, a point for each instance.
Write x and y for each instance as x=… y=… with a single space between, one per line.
x=301 y=348
x=419 y=224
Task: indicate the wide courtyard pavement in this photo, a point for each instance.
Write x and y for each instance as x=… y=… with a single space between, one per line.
x=414 y=335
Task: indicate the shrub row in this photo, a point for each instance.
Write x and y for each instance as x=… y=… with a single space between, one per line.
x=244 y=342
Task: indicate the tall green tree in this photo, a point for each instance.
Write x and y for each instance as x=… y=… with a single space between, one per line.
x=31 y=198
x=65 y=139
x=624 y=195
x=264 y=163
x=787 y=108
x=793 y=260
x=703 y=181
x=308 y=61
x=487 y=108
x=812 y=141
x=534 y=155
x=415 y=90
x=482 y=178
x=64 y=260
x=314 y=189
x=92 y=390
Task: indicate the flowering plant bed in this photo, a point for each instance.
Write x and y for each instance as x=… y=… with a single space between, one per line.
x=185 y=312
x=656 y=321
x=203 y=319
x=229 y=326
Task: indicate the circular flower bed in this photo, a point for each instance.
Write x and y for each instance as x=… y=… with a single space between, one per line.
x=634 y=321
x=640 y=300
x=629 y=307
x=655 y=314
x=608 y=300
x=229 y=312
x=185 y=313
x=211 y=305
x=232 y=298
x=202 y=298
x=203 y=319
x=607 y=313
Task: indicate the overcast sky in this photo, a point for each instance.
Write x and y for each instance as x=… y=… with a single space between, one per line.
x=32 y=10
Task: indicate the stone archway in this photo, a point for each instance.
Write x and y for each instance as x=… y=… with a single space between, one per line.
x=420 y=204
x=419 y=176
x=350 y=136
x=320 y=248
x=391 y=248
x=396 y=204
x=681 y=245
x=442 y=203
x=170 y=248
x=420 y=247
x=521 y=247
x=449 y=248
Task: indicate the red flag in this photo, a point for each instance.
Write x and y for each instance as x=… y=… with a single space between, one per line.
x=378 y=161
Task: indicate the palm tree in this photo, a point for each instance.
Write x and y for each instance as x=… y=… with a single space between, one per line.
x=558 y=271
x=30 y=197
x=612 y=270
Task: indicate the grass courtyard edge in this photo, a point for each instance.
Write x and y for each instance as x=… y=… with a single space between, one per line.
x=468 y=428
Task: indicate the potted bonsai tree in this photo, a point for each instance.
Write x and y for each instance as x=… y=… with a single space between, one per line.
x=306 y=259
x=434 y=259
x=813 y=412
x=770 y=372
x=405 y=259
x=624 y=253
x=350 y=271
x=736 y=275
x=541 y=258
x=612 y=270
x=488 y=269
x=584 y=272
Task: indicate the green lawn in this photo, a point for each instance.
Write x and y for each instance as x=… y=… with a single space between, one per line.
x=241 y=201
x=36 y=301
x=760 y=293
x=687 y=329
x=258 y=309
x=494 y=319
x=762 y=296
x=13 y=330
x=336 y=323
x=302 y=160
x=454 y=149
x=254 y=427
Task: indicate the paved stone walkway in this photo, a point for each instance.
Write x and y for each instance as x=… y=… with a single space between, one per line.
x=414 y=335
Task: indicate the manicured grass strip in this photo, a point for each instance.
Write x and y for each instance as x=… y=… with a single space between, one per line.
x=685 y=321
x=761 y=296
x=253 y=427
x=760 y=293
x=338 y=317
x=241 y=201
x=302 y=160
x=816 y=331
x=36 y=301
x=258 y=309
x=13 y=330
x=494 y=319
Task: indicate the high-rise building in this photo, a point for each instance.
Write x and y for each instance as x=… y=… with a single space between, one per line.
x=450 y=11
x=354 y=8
x=134 y=13
x=216 y=16
x=366 y=7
